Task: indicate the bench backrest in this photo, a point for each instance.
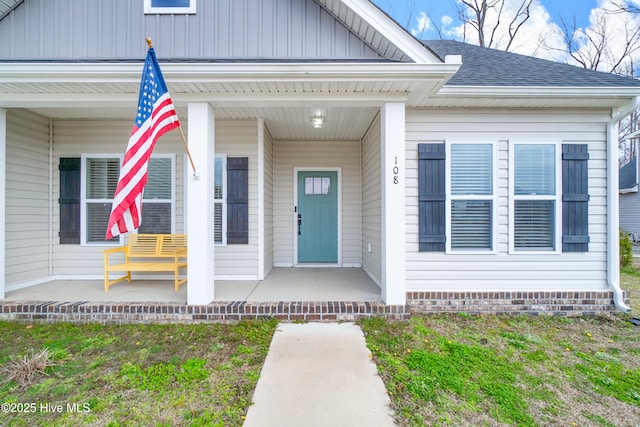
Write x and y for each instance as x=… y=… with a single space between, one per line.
x=154 y=245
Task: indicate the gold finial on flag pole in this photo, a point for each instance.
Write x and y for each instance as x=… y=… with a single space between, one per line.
x=149 y=43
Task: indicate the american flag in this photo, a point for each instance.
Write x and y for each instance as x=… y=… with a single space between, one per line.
x=156 y=116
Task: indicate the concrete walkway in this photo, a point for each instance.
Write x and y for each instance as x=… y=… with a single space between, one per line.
x=319 y=374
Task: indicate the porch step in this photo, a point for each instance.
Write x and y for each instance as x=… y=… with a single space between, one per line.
x=151 y=312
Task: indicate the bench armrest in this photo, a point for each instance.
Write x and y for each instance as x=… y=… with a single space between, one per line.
x=110 y=251
x=114 y=250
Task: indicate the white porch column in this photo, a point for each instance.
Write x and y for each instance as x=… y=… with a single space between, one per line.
x=200 y=204
x=3 y=196
x=393 y=203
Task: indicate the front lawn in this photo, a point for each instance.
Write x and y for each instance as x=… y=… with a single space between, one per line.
x=132 y=375
x=461 y=370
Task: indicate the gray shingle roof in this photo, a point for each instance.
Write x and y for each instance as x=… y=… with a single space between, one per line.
x=489 y=67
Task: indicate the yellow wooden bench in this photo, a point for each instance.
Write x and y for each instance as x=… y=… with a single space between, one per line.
x=152 y=252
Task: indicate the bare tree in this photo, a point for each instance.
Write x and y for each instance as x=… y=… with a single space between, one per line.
x=492 y=23
x=594 y=47
x=621 y=6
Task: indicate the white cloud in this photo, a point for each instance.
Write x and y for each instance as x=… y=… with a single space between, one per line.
x=424 y=24
x=537 y=31
x=616 y=29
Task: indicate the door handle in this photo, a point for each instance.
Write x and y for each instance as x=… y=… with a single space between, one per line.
x=299 y=224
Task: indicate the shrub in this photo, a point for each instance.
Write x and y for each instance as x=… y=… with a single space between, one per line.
x=626 y=250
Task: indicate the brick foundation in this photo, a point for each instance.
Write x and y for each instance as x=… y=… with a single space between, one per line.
x=556 y=303
x=182 y=313
x=535 y=303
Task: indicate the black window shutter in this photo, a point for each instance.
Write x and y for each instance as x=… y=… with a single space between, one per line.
x=575 y=198
x=69 y=200
x=237 y=200
x=431 y=189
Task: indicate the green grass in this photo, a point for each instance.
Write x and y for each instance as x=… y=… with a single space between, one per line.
x=130 y=375
x=630 y=282
x=449 y=370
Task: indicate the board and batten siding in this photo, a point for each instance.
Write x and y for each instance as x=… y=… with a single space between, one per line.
x=27 y=198
x=108 y=29
x=431 y=271
x=371 y=202
x=630 y=212
x=239 y=138
x=72 y=138
x=268 y=201
x=288 y=155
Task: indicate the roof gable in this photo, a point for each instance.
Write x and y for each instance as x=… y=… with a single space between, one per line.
x=231 y=30
x=489 y=67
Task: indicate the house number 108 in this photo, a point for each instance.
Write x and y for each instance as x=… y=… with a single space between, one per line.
x=396 y=170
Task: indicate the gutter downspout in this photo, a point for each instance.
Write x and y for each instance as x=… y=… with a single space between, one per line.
x=613 y=204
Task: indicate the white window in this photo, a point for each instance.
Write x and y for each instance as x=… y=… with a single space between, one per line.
x=534 y=194
x=471 y=186
x=170 y=6
x=100 y=173
x=220 y=200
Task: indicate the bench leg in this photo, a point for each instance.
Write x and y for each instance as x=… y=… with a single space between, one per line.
x=108 y=283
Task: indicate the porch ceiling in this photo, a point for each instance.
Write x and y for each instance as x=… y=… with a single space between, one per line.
x=286 y=96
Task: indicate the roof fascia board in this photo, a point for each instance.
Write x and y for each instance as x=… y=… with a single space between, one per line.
x=99 y=72
x=392 y=31
x=625 y=92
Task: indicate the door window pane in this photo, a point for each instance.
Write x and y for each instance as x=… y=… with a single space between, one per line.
x=317 y=185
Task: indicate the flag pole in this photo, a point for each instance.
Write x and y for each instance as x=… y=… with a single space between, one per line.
x=184 y=140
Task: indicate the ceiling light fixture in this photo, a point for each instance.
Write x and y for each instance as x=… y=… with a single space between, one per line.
x=317 y=122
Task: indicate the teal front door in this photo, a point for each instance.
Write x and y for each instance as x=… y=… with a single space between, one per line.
x=317 y=216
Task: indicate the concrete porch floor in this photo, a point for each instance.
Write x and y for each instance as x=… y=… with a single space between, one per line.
x=281 y=284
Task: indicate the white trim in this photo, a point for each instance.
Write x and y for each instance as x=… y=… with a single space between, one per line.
x=393 y=219
x=295 y=214
x=3 y=198
x=536 y=91
x=557 y=197
x=25 y=72
x=51 y=236
x=201 y=245
x=261 y=231
x=238 y=277
x=34 y=282
x=222 y=156
x=282 y=264
x=493 y=197
x=173 y=10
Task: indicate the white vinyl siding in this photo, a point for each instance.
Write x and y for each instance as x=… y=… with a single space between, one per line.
x=27 y=198
x=239 y=138
x=72 y=138
x=371 y=202
x=268 y=201
x=321 y=154
x=503 y=270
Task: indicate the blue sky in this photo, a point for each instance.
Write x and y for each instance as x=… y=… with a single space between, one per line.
x=567 y=9
x=542 y=35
